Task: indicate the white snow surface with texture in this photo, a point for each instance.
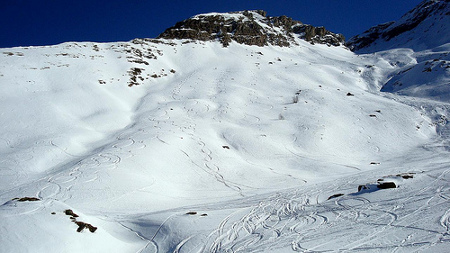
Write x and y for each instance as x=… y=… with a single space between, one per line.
x=232 y=149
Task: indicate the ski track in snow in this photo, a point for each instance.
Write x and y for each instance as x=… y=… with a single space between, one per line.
x=193 y=126
x=294 y=219
x=58 y=186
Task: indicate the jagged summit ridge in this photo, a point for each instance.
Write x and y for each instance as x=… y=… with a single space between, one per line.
x=250 y=28
x=424 y=27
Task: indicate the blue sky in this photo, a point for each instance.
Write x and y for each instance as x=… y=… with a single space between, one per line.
x=48 y=22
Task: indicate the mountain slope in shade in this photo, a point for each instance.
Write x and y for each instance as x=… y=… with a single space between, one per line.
x=184 y=145
x=428 y=76
x=418 y=47
x=425 y=27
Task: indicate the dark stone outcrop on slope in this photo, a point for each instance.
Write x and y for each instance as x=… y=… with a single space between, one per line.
x=250 y=28
x=368 y=37
x=386 y=185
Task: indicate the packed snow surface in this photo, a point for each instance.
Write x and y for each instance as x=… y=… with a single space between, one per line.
x=192 y=147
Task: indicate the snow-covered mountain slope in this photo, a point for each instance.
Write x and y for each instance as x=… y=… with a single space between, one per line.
x=189 y=146
x=418 y=46
x=424 y=27
x=425 y=75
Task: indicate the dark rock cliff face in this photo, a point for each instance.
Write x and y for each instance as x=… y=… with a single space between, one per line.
x=424 y=13
x=250 y=28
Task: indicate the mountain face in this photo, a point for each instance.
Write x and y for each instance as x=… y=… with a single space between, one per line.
x=200 y=141
x=250 y=28
x=419 y=47
x=424 y=27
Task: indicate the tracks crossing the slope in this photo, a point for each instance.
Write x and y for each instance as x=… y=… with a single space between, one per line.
x=291 y=219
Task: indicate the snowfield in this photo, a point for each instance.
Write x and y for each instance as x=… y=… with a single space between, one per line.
x=184 y=146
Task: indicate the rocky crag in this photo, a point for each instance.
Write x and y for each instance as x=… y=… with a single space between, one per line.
x=250 y=28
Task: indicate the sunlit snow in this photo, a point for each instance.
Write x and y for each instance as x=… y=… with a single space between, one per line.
x=215 y=149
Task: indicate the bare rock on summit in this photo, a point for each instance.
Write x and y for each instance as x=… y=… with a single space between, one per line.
x=250 y=28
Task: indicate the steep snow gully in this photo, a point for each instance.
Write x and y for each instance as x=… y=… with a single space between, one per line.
x=187 y=146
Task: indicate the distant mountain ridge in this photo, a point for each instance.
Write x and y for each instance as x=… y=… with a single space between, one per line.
x=424 y=27
x=250 y=28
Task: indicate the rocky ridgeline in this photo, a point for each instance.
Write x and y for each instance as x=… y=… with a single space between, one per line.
x=433 y=10
x=250 y=28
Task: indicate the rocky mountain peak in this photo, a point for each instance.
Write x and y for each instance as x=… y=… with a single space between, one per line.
x=250 y=28
x=425 y=26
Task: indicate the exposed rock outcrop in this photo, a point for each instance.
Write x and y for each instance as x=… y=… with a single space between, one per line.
x=424 y=27
x=250 y=28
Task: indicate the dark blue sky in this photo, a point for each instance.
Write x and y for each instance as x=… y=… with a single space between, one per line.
x=48 y=22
